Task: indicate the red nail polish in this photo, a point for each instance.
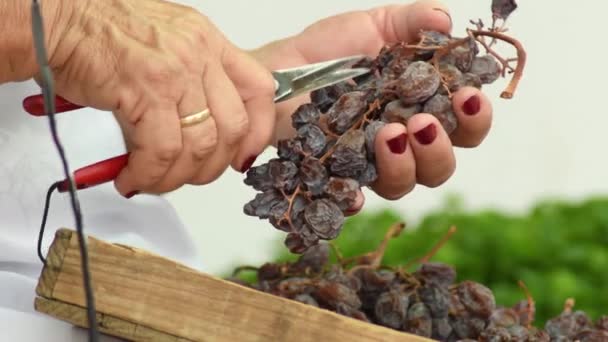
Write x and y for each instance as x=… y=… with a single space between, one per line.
x=426 y=135
x=351 y=211
x=398 y=144
x=131 y=194
x=247 y=164
x=472 y=105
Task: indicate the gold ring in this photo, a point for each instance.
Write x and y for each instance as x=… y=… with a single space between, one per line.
x=195 y=118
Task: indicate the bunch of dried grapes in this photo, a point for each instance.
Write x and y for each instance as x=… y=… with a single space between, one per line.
x=427 y=302
x=317 y=174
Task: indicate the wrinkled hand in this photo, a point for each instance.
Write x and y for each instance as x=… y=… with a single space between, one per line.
x=152 y=62
x=422 y=152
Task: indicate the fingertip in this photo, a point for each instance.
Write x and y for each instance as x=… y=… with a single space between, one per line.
x=395 y=162
x=390 y=137
x=471 y=101
x=432 y=148
x=399 y=23
x=260 y=135
x=243 y=165
x=429 y=15
x=123 y=186
x=357 y=206
x=474 y=112
x=425 y=131
x=132 y=193
x=391 y=142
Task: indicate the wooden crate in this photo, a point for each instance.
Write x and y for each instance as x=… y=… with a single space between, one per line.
x=141 y=296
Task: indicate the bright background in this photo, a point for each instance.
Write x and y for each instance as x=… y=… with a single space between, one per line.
x=545 y=142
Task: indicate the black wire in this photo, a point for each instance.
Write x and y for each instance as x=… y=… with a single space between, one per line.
x=49 y=107
x=47 y=204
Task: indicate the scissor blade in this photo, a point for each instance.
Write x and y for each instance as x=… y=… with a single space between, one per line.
x=327 y=80
x=337 y=76
x=320 y=67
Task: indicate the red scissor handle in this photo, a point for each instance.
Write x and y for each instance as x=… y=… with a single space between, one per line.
x=35 y=105
x=88 y=176
x=95 y=174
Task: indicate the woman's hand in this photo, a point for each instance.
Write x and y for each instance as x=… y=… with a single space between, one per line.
x=422 y=152
x=153 y=62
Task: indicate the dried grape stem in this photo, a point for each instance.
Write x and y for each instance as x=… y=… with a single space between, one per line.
x=438 y=246
x=530 y=302
x=435 y=248
x=373 y=106
x=521 y=55
x=503 y=61
x=374 y=258
x=240 y=269
x=568 y=305
x=502 y=27
x=521 y=60
x=290 y=200
x=323 y=125
x=393 y=232
x=337 y=252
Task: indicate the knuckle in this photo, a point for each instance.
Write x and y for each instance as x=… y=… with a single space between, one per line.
x=189 y=58
x=195 y=16
x=147 y=177
x=168 y=151
x=203 y=147
x=208 y=176
x=166 y=187
x=237 y=129
x=157 y=72
x=198 y=34
x=192 y=49
x=267 y=83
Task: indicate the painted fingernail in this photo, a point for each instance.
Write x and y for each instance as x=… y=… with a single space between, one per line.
x=247 y=164
x=472 y=105
x=398 y=144
x=351 y=211
x=131 y=194
x=426 y=135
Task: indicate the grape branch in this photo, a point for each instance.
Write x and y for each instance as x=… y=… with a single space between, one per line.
x=427 y=302
x=314 y=180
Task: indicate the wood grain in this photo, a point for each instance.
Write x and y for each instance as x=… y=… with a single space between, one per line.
x=144 y=297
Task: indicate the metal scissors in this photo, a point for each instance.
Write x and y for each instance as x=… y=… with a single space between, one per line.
x=289 y=83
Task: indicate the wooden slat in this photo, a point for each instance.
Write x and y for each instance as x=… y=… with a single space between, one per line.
x=144 y=297
x=107 y=324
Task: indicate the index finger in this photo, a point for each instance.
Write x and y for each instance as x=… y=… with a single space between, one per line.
x=155 y=144
x=255 y=85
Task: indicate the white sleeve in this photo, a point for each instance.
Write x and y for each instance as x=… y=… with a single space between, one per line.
x=20 y=322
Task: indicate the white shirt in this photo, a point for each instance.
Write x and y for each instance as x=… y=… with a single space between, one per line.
x=29 y=164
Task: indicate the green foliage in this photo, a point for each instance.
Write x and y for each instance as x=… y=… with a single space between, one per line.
x=559 y=249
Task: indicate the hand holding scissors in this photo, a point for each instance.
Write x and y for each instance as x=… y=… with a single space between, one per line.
x=289 y=83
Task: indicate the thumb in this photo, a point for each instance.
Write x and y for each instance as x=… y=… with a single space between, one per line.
x=398 y=23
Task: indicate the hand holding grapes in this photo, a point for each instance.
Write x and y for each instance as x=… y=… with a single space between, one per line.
x=420 y=152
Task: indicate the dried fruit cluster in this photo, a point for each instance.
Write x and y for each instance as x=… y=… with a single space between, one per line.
x=315 y=179
x=427 y=302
